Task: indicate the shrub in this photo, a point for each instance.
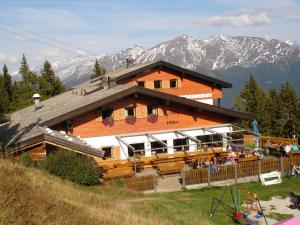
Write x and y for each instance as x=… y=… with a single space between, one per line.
x=72 y=166
x=26 y=160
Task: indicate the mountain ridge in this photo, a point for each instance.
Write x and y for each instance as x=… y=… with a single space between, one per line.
x=212 y=56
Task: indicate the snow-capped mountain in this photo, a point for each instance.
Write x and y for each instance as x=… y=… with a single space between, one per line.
x=212 y=54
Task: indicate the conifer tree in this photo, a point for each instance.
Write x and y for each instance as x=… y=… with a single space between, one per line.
x=7 y=83
x=289 y=104
x=251 y=95
x=50 y=84
x=98 y=71
x=24 y=69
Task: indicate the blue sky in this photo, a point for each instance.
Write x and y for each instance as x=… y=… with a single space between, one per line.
x=108 y=26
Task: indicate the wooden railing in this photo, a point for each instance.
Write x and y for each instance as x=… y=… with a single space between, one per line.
x=249 y=140
x=239 y=170
x=141 y=183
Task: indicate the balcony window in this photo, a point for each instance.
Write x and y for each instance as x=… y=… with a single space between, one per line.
x=151 y=111
x=107 y=113
x=173 y=83
x=141 y=83
x=129 y=112
x=157 y=84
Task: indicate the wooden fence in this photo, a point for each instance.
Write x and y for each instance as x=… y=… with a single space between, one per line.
x=249 y=140
x=141 y=183
x=239 y=170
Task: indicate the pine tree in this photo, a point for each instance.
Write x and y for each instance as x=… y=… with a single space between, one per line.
x=98 y=71
x=24 y=69
x=3 y=99
x=289 y=104
x=251 y=95
x=7 y=83
x=50 y=84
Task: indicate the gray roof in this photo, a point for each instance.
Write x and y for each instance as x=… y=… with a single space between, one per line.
x=26 y=123
x=123 y=73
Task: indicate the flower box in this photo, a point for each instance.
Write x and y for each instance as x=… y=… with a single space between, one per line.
x=109 y=121
x=152 y=118
x=130 y=119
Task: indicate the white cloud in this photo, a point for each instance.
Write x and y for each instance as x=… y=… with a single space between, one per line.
x=6 y=58
x=50 y=19
x=242 y=20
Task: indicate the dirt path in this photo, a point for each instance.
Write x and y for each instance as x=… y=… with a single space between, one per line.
x=278 y=205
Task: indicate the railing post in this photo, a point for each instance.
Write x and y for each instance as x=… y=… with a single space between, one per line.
x=259 y=168
x=282 y=166
x=208 y=176
x=235 y=173
x=183 y=178
x=155 y=183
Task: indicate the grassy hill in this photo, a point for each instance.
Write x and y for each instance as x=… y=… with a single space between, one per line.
x=31 y=196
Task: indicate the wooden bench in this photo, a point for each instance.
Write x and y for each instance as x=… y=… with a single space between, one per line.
x=169 y=168
x=168 y=159
x=118 y=172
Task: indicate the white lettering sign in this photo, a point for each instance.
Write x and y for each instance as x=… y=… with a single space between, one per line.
x=192 y=96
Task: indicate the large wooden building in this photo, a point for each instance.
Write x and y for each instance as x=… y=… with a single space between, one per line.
x=144 y=110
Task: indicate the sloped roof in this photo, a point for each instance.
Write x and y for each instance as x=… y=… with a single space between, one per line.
x=29 y=122
x=139 y=68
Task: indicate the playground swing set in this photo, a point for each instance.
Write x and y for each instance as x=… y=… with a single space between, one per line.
x=247 y=214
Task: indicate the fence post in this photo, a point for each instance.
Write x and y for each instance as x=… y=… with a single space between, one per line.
x=208 y=176
x=282 y=166
x=235 y=173
x=155 y=183
x=183 y=178
x=259 y=168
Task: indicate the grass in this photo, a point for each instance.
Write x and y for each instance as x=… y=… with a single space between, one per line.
x=279 y=216
x=31 y=196
x=193 y=207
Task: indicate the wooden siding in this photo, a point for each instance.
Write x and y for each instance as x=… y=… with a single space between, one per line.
x=170 y=116
x=186 y=85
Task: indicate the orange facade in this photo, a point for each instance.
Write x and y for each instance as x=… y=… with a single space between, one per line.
x=186 y=85
x=170 y=116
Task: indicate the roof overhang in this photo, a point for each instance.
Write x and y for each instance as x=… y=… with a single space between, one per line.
x=169 y=66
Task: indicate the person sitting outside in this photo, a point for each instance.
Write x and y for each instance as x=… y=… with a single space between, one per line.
x=214 y=165
x=242 y=154
x=231 y=155
x=281 y=149
x=287 y=150
x=229 y=147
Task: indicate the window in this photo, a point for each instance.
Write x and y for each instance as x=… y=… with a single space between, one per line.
x=157 y=84
x=140 y=149
x=129 y=112
x=158 y=148
x=108 y=152
x=107 y=113
x=151 y=110
x=181 y=144
x=141 y=83
x=173 y=83
x=214 y=140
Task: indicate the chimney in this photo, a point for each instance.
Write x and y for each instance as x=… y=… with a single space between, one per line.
x=129 y=62
x=36 y=97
